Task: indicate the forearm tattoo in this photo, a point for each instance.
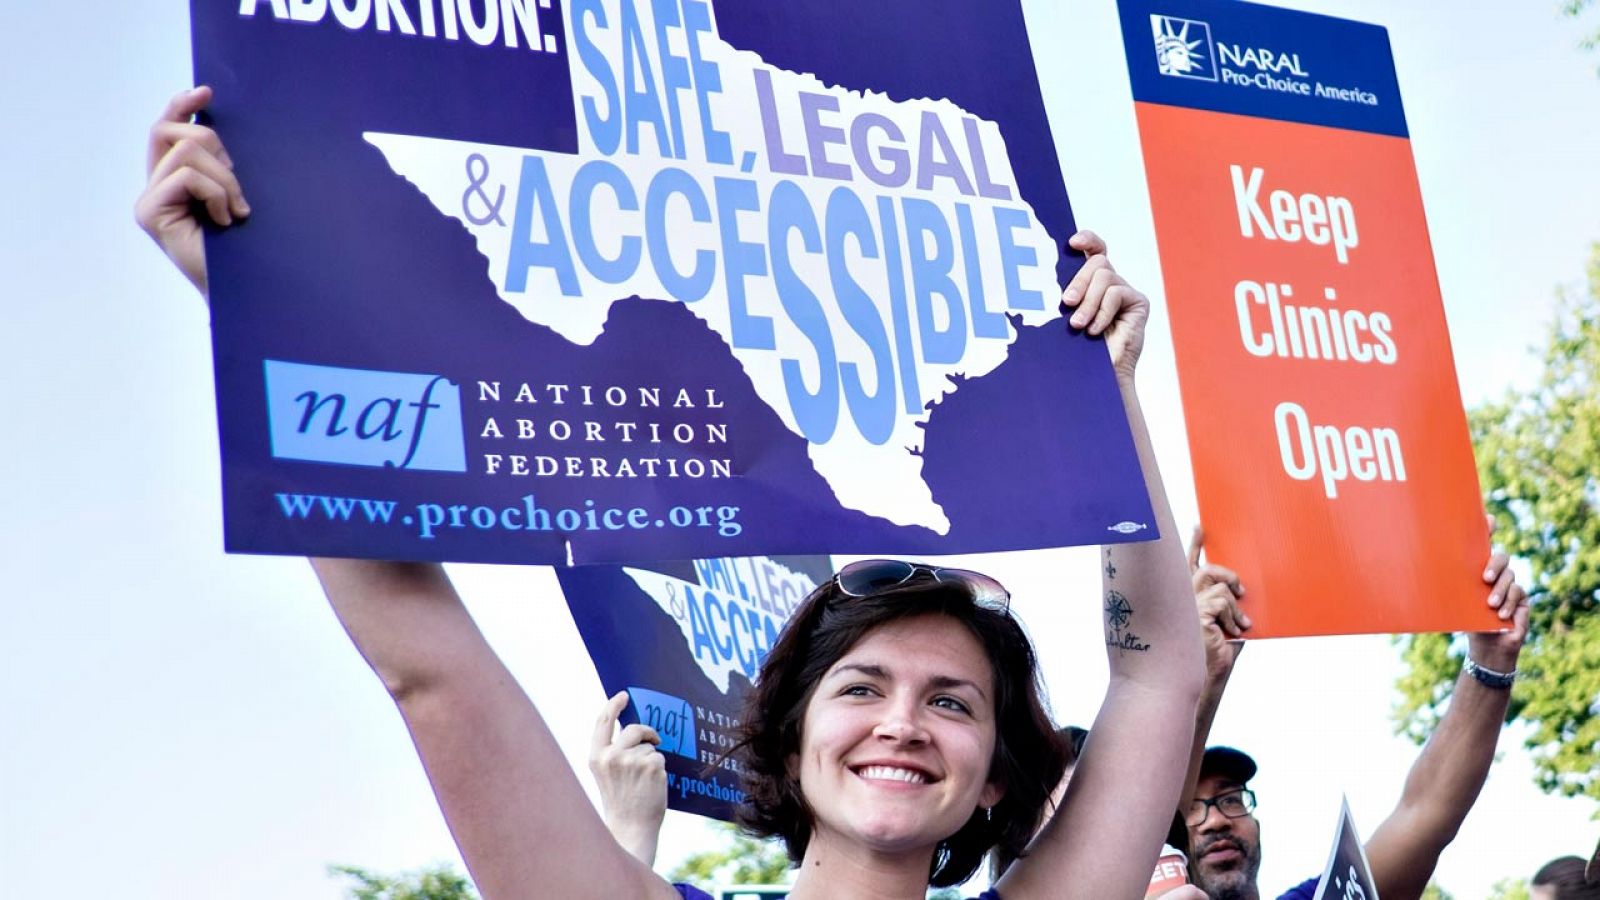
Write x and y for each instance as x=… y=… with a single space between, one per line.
x=1119 y=614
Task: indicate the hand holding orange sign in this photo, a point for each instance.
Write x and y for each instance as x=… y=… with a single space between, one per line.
x=1217 y=592
x=1498 y=650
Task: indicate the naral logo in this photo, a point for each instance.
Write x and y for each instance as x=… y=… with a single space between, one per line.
x=1183 y=48
x=359 y=417
x=671 y=717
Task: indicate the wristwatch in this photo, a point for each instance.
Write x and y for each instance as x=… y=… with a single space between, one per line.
x=1489 y=677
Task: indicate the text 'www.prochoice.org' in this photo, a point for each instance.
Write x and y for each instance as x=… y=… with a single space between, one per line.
x=430 y=519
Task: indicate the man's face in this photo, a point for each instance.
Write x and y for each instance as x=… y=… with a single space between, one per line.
x=1227 y=852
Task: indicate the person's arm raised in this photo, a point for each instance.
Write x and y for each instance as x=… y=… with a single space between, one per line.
x=1445 y=780
x=1105 y=840
x=514 y=806
x=1217 y=593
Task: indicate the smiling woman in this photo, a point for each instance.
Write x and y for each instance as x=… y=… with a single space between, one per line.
x=908 y=718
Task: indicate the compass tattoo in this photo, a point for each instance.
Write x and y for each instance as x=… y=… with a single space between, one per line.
x=1119 y=613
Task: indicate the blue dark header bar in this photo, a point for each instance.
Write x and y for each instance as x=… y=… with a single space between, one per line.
x=1236 y=57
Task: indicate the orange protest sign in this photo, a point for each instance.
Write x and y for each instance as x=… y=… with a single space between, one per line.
x=1331 y=456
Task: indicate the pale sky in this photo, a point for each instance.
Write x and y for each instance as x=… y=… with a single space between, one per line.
x=177 y=722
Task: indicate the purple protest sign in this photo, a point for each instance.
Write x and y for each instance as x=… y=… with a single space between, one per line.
x=610 y=280
x=685 y=641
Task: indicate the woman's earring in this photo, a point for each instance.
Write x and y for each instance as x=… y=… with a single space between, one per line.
x=988 y=814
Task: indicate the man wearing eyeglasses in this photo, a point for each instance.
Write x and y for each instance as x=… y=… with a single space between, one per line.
x=1224 y=836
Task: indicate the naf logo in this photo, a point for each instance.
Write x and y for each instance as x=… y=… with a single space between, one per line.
x=361 y=417
x=671 y=717
x=1183 y=48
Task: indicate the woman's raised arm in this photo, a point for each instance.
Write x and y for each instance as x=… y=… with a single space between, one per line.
x=516 y=810
x=1105 y=839
x=514 y=806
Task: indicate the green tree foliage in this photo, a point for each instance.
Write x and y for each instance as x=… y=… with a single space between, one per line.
x=1509 y=889
x=440 y=882
x=740 y=859
x=1539 y=460
x=1434 y=892
x=1575 y=8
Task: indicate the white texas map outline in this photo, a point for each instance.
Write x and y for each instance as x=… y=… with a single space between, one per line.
x=881 y=479
x=737 y=623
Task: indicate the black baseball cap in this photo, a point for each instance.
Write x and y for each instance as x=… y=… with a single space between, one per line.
x=1235 y=765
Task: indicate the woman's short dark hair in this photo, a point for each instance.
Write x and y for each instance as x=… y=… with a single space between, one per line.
x=1027 y=762
x=1565 y=874
x=1071 y=738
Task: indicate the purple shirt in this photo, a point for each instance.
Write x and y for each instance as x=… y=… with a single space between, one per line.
x=689 y=892
x=1305 y=890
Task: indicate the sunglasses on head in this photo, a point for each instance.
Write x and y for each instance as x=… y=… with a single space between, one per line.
x=869 y=576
